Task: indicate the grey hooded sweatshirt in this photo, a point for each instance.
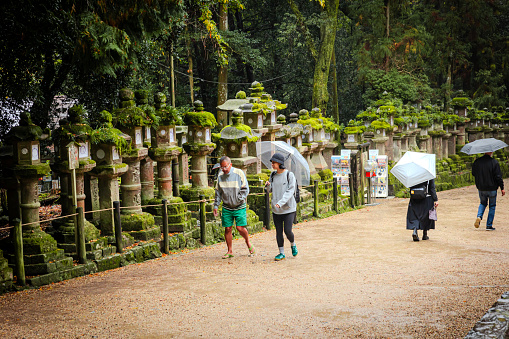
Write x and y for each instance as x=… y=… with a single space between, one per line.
x=283 y=187
x=232 y=189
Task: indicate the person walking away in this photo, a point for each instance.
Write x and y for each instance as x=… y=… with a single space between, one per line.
x=488 y=178
x=417 y=217
x=232 y=189
x=283 y=184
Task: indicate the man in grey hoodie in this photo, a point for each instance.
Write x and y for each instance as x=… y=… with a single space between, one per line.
x=232 y=188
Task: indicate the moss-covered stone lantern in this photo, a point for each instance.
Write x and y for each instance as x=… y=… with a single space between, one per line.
x=199 y=145
x=164 y=149
x=254 y=119
x=263 y=102
x=235 y=139
x=225 y=110
x=285 y=133
x=108 y=143
x=40 y=252
x=131 y=120
x=297 y=132
x=308 y=141
x=146 y=163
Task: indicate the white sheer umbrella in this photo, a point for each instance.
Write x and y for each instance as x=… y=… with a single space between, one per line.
x=294 y=162
x=415 y=168
x=483 y=146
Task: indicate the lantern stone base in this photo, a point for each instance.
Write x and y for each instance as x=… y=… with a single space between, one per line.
x=193 y=194
x=140 y=226
x=179 y=218
x=6 y=276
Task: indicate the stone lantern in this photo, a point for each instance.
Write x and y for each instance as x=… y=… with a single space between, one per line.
x=255 y=120
x=199 y=145
x=285 y=133
x=131 y=120
x=269 y=107
x=297 y=131
x=40 y=251
x=235 y=139
x=225 y=110
x=164 y=149
x=77 y=131
x=308 y=139
x=146 y=163
x=108 y=143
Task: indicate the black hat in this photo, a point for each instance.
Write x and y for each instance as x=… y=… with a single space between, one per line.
x=279 y=158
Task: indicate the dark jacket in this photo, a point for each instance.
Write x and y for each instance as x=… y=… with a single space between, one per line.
x=487 y=173
x=418 y=209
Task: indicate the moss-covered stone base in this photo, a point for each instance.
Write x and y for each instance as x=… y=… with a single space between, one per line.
x=6 y=276
x=140 y=226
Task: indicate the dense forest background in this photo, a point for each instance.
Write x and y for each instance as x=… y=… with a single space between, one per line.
x=340 y=55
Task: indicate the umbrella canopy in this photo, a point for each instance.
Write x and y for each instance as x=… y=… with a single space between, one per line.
x=483 y=146
x=294 y=161
x=415 y=168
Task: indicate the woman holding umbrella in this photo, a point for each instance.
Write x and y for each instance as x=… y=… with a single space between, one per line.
x=282 y=183
x=417 y=217
x=417 y=171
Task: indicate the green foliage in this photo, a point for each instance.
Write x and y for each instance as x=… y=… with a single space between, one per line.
x=105 y=135
x=380 y=124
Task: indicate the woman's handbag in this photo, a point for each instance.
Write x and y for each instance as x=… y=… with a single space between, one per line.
x=433 y=214
x=419 y=193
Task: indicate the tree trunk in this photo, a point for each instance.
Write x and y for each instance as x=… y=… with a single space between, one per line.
x=335 y=104
x=222 y=87
x=190 y=67
x=322 y=66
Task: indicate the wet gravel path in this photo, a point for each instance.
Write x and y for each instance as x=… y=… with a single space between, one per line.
x=358 y=275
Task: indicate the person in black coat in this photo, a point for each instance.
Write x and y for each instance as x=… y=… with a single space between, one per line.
x=417 y=217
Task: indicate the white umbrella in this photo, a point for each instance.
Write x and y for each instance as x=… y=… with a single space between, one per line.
x=294 y=162
x=483 y=146
x=415 y=168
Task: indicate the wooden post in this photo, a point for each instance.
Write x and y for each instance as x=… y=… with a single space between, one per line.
x=118 y=226
x=335 y=193
x=315 y=197
x=203 y=220
x=267 y=208
x=18 y=253
x=80 y=246
x=350 y=183
x=166 y=240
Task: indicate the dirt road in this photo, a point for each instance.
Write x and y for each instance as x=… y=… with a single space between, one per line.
x=358 y=275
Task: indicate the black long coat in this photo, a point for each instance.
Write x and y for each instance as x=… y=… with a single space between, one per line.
x=417 y=215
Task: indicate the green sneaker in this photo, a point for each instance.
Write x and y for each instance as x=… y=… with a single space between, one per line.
x=279 y=257
x=294 y=250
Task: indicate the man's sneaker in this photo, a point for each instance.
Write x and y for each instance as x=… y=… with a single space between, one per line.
x=477 y=222
x=294 y=251
x=490 y=228
x=279 y=257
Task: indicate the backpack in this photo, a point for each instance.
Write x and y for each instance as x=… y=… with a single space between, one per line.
x=418 y=193
x=296 y=194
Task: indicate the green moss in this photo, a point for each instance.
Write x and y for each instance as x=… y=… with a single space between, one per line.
x=132 y=116
x=163 y=151
x=109 y=136
x=367 y=116
x=196 y=147
x=259 y=176
x=315 y=177
x=380 y=124
x=325 y=175
x=240 y=95
x=136 y=222
x=168 y=116
x=250 y=137
x=354 y=129
x=437 y=133
x=193 y=193
x=313 y=122
x=306 y=144
x=38 y=170
x=461 y=102
x=423 y=123
x=203 y=119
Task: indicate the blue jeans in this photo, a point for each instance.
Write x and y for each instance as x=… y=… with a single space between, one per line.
x=485 y=197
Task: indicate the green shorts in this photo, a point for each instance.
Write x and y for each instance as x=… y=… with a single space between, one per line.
x=239 y=216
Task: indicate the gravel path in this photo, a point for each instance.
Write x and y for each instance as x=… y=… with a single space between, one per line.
x=358 y=275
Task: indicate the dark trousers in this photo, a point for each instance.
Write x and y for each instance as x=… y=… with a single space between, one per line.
x=284 y=222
